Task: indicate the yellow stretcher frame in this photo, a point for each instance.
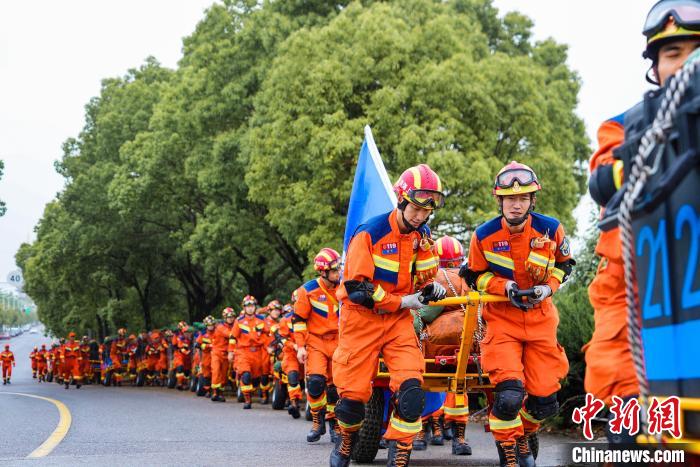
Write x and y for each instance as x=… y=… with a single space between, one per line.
x=460 y=382
x=692 y=445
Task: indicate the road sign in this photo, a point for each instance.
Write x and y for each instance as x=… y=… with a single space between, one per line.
x=15 y=278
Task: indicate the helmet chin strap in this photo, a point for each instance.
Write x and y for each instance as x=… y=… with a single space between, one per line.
x=518 y=220
x=325 y=276
x=408 y=225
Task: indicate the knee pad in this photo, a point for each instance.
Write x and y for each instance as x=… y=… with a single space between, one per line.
x=349 y=411
x=542 y=407
x=264 y=380
x=180 y=369
x=293 y=378
x=256 y=381
x=315 y=385
x=246 y=378
x=332 y=394
x=410 y=400
x=509 y=399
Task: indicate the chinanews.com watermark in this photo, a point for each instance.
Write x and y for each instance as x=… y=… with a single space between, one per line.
x=600 y=453
x=663 y=417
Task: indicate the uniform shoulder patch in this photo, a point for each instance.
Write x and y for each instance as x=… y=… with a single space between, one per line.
x=488 y=228
x=390 y=248
x=565 y=247
x=311 y=285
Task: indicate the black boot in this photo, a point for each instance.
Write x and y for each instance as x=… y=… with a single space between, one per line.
x=419 y=442
x=447 y=432
x=217 y=396
x=525 y=457
x=399 y=454
x=318 y=428
x=67 y=384
x=334 y=429
x=383 y=444
x=248 y=398
x=460 y=447
x=436 y=439
x=293 y=409
x=507 y=453
x=340 y=455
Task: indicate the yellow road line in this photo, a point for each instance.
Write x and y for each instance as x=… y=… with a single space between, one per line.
x=58 y=434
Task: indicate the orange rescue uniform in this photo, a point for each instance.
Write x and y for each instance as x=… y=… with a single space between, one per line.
x=223 y=342
x=519 y=345
x=71 y=360
x=609 y=366
x=380 y=253
x=7 y=358
x=251 y=337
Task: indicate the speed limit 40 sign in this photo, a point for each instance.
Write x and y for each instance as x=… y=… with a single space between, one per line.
x=15 y=278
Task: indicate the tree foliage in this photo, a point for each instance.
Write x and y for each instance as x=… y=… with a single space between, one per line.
x=187 y=188
x=3 y=208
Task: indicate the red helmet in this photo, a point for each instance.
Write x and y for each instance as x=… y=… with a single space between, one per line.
x=326 y=259
x=7 y=346
x=182 y=326
x=71 y=335
x=249 y=300
x=450 y=251
x=228 y=313
x=515 y=179
x=210 y=321
x=421 y=186
x=274 y=305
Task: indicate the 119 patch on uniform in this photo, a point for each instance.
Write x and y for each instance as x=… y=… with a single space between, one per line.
x=390 y=248
x=502 y=245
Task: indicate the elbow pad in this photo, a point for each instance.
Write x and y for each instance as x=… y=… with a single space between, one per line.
x=565 y=267
x=605 y=181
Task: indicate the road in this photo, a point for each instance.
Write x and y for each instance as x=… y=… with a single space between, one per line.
x=154 y=426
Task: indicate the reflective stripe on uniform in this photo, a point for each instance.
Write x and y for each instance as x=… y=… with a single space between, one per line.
x=528 y=417
x=385 y=263
x=483 y=281
x=456 y=411
x=349 y=426
x=404 y=426
x=378 y=294
x=499 y=260
x=539 y=260
x=558 y=274
x=497 y=424
x=319 y=403
x=426 y=264
x=300 y=326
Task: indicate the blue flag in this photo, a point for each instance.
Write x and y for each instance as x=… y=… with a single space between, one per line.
x=372 y=193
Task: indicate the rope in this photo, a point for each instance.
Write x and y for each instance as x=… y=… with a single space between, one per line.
x=640 y=171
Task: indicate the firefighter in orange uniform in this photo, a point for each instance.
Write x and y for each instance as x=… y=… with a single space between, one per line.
x=388 y=259
x=152 y=351
x=85 y=365
x=118 y=354
x=71 y=361
x=204 y=344
x=52 y=360
x=42 y=357
x=252 y=339
x=316 y=335
x=609 y=364
x=32 y=360
x=223 y=347
x=274 y=311
x=182 y=361
x=7 y=358
x=290 y=363
x=520 y=249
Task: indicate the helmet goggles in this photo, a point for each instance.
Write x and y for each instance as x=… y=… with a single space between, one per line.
x=249 y=301
x=686 y=13
x=507 y=178
x=427 y=199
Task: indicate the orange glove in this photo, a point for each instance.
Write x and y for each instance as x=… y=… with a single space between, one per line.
x=540 y=261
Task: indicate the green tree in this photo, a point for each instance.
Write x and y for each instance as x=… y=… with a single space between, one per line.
x=3 y=208
x=435 y=89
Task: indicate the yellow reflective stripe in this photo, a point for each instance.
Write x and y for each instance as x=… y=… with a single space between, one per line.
x=499 y=260
x=457 y=410
x=618 y=173
x=426 y=264
x=483 y=281
x=246 y=387
x=299 y=327
x=378 y=294
x=416 y=177
x=230 y=341
x=460 y=400
x=319 y=305
x=330 y=408
x=385 y=263
x=406 y=427
x=319 y=403
x=558 y=274
x=538 y=259
x=349 y=426
x=496 y=424
x=244 y=327
x=528 y=417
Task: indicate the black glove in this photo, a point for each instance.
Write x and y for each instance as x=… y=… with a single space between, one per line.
x=360 y=293
x=432 y=292
x=464 y=271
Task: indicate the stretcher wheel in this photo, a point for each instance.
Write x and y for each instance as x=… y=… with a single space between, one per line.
x=367 y=444
x=279 y=395
x=141 y=378
x=534 y=442
x=172 y=380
